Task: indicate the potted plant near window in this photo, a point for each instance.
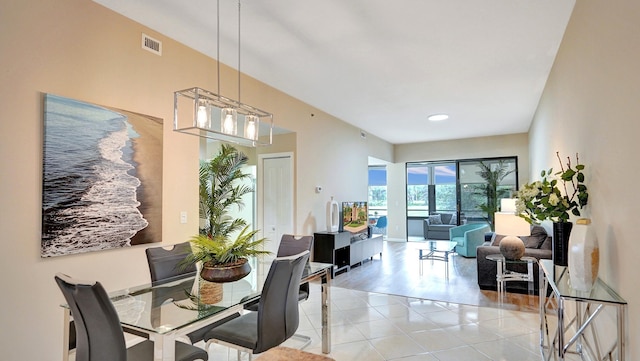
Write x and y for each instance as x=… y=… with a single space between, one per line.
x=493 y=176
x=224 y=242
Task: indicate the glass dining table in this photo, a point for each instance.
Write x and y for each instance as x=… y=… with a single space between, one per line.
x=166 y=312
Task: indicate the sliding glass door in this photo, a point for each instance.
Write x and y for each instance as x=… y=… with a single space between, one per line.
x=470 y=188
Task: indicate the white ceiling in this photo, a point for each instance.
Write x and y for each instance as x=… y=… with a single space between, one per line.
x=383 y=66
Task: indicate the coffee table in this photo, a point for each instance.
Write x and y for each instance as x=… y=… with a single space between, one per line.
x=437 y=251
x=504 y=275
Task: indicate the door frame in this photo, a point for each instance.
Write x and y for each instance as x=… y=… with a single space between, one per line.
x=260 y=187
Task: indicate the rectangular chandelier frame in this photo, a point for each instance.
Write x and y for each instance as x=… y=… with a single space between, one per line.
x=198 y=112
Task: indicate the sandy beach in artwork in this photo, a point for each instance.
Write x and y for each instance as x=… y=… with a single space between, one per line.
x=147 y=154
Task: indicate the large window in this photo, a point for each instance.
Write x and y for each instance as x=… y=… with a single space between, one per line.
x=417 y=190
x=472 y=187
x=378 y=190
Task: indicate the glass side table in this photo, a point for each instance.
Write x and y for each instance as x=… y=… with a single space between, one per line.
x=504 y=275
x=557 y=338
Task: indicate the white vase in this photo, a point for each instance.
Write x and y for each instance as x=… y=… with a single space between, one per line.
x=333 y=218
x=584 y=256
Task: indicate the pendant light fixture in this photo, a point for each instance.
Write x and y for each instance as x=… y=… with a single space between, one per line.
x=209 y=115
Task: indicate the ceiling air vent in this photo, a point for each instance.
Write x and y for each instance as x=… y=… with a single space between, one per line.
x=151 y=44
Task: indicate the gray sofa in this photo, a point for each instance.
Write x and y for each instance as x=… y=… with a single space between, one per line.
x=537 y=245
x=437 y=225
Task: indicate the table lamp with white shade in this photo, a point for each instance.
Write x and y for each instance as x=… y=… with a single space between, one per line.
x=509 y=224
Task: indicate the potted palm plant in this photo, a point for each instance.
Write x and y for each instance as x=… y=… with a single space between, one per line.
x=493 y=176
x=224 y=242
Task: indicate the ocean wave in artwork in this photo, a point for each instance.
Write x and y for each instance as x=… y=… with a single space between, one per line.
x=89 y=192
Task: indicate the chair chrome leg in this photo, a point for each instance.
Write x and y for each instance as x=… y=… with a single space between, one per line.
x=303 y=338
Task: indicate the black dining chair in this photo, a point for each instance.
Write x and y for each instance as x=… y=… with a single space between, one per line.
x=164 y=263
x=164 y=266
x=289 y=246
x=277 y=318
x=99 y=335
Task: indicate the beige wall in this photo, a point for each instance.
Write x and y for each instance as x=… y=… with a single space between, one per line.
x=78 y=49
x=590 y=106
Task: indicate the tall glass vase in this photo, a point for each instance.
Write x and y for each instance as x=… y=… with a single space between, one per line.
x=561 y=233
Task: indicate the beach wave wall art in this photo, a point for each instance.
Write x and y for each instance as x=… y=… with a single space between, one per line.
x=102 y=178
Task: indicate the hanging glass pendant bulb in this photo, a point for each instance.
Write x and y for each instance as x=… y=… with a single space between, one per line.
x=251 y=123
x=229 y=122
x=204 y=115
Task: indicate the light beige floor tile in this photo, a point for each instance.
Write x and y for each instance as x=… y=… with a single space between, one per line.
x=425 y=306
x=394 y=311
x=378 y=299
x=472 y=333
x=396 y=346
x=529 y=341
x=362 y=315
x=503 y=350
x=436 y=340
x=354 y=351
x=462 y=354
x=419 y=357
x=508 y=327
x=345 y=334
x=378 y=328
x=346 y=304
x=448 y=318
x=414 y=322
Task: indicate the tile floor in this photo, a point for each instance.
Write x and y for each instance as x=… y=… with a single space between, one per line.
x=374 y=326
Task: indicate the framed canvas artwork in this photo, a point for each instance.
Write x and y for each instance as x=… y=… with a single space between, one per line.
x=102 y=178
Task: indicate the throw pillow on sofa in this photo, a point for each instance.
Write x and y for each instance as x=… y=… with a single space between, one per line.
x=537 y=237
x=435 y=219
x=454 y=220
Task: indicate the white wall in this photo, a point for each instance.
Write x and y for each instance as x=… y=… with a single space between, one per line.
x=590 y=106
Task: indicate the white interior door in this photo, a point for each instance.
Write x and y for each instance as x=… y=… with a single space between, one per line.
x=276 y=185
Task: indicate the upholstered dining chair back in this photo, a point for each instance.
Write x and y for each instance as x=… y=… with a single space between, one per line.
x=290 y=245
x=163 y=263
x=99 y=335
x=277 y=317
x=280 y=297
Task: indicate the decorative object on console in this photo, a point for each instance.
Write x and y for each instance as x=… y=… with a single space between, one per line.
x=584 y=256
x=542 y=200
x=205 y=114
x=333 y=221
x=509 y=224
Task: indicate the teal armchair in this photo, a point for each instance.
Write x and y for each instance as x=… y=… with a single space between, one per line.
x=468 y=236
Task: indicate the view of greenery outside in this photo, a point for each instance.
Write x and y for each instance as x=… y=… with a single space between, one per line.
x=471 y=199
x=378 y=197
x=417 y=204
x=446 y=198
x=377 y=190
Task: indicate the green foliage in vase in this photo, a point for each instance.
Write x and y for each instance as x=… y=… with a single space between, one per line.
x=218 y=250
x=557 y=196
x=221 y=189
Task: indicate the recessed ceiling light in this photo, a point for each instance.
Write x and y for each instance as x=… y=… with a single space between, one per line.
x=437 y=117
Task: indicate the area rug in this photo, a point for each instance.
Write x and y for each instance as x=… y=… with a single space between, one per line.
x=286 y=354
